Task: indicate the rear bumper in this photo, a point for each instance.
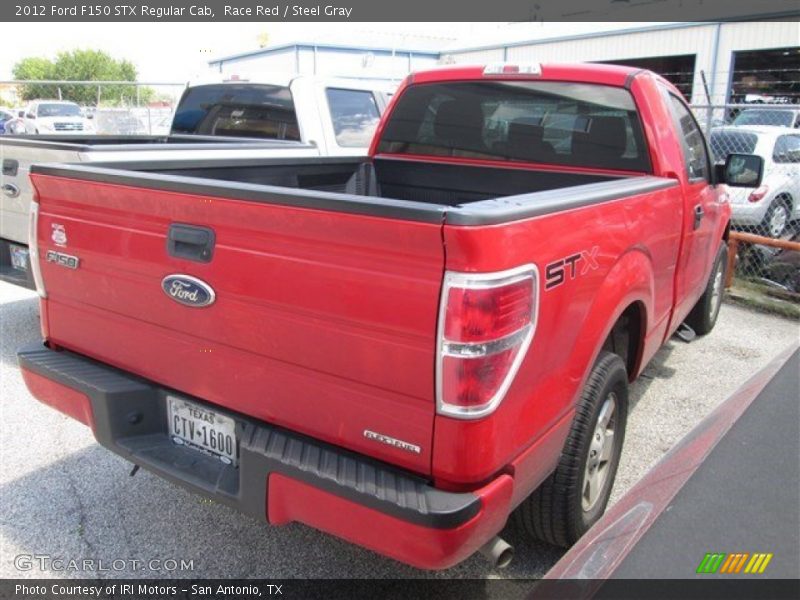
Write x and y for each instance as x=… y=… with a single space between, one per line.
x=282 y=476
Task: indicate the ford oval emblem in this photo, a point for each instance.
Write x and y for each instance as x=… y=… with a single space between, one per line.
x=188 y=290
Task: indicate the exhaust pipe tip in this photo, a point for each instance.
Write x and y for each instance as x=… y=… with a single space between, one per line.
x=498 y=552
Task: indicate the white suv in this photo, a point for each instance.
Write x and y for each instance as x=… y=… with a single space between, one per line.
x=770 y=207
x=55 y=117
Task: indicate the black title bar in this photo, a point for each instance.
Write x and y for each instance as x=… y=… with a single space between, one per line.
x=734 y=588
x=405 y=10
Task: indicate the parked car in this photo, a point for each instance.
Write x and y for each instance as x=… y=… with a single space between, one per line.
x=5 y=117
x=772 y=205
x=54 y=117
x=400 y=349
x=288 y=117
x=776 y=117
x=15 y=125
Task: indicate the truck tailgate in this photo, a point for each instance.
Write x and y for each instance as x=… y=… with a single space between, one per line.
x=323 y=322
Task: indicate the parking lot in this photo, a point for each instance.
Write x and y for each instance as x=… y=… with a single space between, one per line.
x=66 y=497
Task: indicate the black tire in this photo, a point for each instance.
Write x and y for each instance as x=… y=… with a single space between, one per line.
x=555 y=512
x=781 y=203
x=704 y=314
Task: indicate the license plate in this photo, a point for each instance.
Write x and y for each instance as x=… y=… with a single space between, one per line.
x=19 y=257
x=206 y=430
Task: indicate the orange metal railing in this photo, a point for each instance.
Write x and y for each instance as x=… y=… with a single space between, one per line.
x=737 y=237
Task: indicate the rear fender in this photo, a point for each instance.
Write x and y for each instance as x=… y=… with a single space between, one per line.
x=629 y=281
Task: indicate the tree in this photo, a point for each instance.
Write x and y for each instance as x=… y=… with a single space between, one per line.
x=79 y=65
x=35 y=68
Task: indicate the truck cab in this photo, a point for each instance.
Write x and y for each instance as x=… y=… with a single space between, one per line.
x=338 y=116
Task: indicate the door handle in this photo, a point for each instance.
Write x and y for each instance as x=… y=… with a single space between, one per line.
x=10 y=190
x=191 y=242
x=699 y=213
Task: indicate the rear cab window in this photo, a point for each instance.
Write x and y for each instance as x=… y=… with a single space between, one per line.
x=238 y=110
x=559 y=123
x=354 y=114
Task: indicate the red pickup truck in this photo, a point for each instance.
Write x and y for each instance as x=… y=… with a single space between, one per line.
x=400 y=349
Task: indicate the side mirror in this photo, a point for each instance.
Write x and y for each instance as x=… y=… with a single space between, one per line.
x=30 y=116
x=741 y=170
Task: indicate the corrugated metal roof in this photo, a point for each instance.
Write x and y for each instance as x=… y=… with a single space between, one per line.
x=324 y=46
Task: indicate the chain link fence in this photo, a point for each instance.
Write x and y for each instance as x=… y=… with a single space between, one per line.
x=109 y=108
x=770 y=211
x=133 y=121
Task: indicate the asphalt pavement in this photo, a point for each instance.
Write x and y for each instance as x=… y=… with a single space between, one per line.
x=65 y=498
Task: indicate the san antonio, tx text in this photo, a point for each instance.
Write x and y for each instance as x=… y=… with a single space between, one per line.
x=124 y=589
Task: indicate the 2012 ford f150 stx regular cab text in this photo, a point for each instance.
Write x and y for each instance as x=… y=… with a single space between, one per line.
x=286 y=116
x=399 y=350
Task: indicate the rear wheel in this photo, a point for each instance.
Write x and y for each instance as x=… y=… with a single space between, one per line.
x=575 y=496
x=704 y=314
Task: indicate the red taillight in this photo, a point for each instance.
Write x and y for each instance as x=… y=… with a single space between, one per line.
x=486 y=325
x=478 y=315
x=758 y=193
x=33 y=247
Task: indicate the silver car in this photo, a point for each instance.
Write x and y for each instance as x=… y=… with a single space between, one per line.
x=770 y=207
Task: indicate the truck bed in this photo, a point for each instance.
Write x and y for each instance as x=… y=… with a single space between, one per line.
x=402 y=188
x=18 y=153
x=327 y=274
x=120 y=143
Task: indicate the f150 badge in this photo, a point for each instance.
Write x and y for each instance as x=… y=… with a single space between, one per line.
x=560 y=271
x=63 y=260
x=188 y=290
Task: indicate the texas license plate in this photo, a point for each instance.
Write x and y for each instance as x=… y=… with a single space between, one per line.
x=19 y=257
x=206 y=430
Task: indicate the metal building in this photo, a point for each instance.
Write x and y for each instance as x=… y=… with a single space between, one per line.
x=721 y=62
x=361 y=62
x=718 y=62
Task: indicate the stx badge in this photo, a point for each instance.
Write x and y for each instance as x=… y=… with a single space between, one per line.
x=559 y=271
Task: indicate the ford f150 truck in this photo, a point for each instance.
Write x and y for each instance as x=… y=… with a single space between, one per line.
x=403 y=349
x=286 y=117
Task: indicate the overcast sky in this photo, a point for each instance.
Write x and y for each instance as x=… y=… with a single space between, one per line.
x=179 y=52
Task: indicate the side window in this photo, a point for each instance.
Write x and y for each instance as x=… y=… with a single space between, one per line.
x=787 y=149
x=694 y=147
x=355 y=116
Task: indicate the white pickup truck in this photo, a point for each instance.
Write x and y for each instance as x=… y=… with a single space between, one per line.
x=290 y=117
x=54 y=117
